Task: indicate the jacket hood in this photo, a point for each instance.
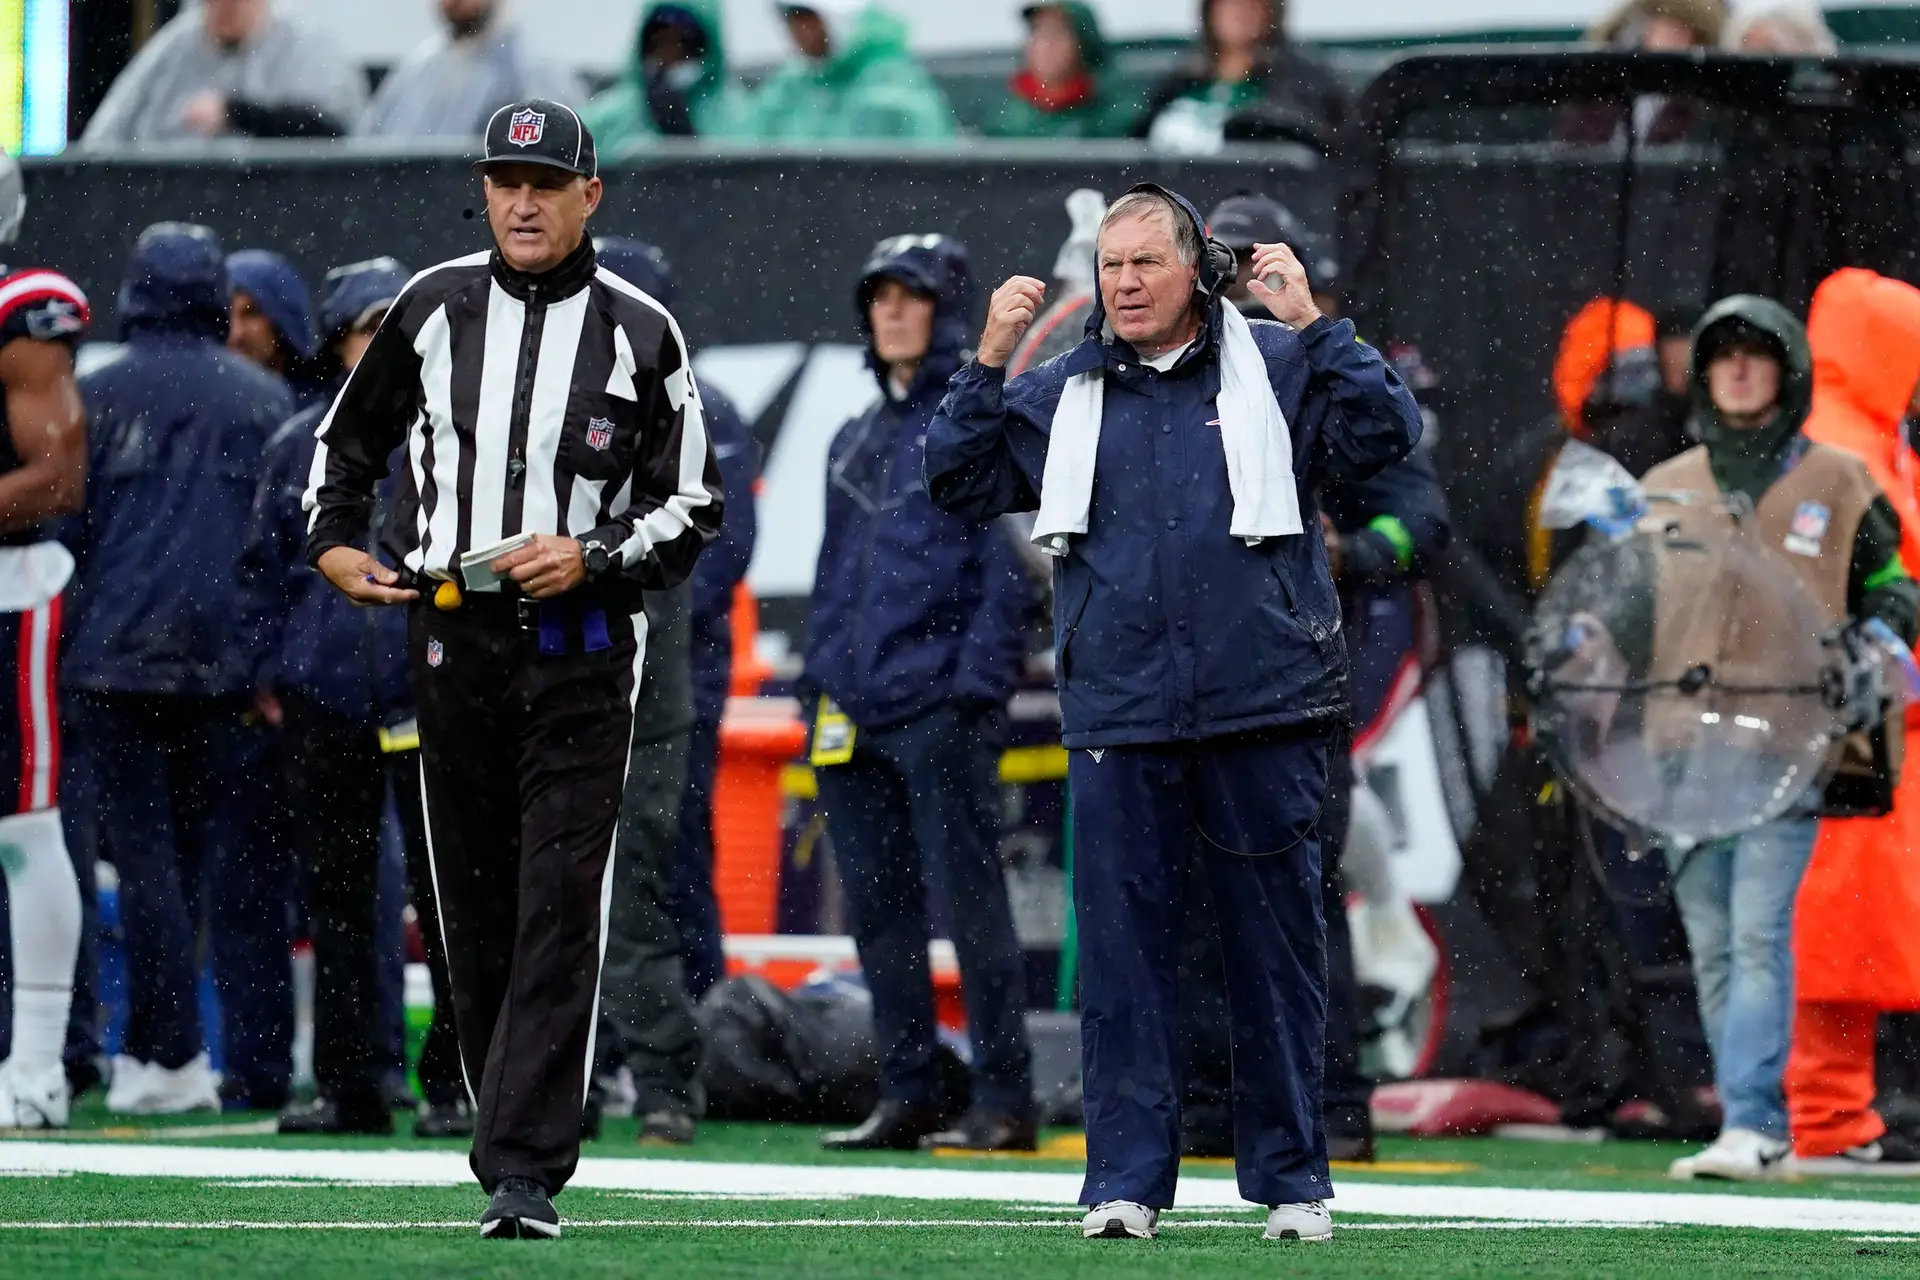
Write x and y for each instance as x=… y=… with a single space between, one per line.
x=1594 y=341
x=1209 y=284
x=351 y=294
x=938 y=267
x=640 y=264
x=1865 y=331
x=177 y=280
x=859 y=34
x=1094 y=53
x=700 y=17
x=277 y=289
x=1777 y=325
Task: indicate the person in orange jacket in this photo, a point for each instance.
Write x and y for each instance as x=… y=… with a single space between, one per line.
x=1856 y=948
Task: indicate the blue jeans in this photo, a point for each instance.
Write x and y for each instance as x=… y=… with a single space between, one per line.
x=1736 y=900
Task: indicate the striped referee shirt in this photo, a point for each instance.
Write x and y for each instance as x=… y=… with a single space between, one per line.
x=558 y=403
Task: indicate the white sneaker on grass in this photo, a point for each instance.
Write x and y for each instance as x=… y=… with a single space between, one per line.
x=33 y=1097
x=148 y=1089
x=1120 y=1220
x=1309 y=1222
x=1737 y=1155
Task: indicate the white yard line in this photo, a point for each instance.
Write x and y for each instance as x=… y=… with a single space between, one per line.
x=809 y=1182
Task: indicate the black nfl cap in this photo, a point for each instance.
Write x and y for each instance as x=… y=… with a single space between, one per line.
x=540 y=131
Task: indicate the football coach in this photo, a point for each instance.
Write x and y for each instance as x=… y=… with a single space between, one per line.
x=1172 y=457
x=555 y=466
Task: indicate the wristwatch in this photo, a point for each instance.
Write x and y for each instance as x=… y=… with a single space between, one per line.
x=596 y=557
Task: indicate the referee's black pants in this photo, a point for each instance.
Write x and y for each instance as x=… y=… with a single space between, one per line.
x=522 y=755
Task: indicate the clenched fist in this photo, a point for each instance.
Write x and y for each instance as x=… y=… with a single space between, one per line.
x=1280 y=283
x=1009 y=313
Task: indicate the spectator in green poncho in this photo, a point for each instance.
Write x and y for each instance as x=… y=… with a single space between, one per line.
x=1058 y=91
x=852 y=77
x=677 y=84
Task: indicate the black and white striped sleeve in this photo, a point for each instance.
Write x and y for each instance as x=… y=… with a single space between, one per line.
x=368 y=421
x=676 y=500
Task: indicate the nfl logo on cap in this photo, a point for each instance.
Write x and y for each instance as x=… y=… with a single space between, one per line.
x=599 y=433
x=526 y=128
x=436 y=653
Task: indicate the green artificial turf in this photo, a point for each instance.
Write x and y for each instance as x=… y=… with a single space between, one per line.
x=359 y=1232
x=671 y=1243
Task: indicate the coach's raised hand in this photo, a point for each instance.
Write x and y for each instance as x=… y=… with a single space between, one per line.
x=1009 y=313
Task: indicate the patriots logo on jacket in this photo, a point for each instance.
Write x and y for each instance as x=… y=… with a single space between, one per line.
x=599 y=434
x=526 y=128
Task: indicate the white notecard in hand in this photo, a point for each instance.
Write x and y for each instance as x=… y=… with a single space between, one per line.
x=476 y=566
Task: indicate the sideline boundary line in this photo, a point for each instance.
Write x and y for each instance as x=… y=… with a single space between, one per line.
x=802 y=1182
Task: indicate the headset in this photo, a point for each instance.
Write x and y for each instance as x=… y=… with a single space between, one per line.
x=1219 y=265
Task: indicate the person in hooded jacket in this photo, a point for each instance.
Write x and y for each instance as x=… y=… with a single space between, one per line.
x=1059 y=91
x=853 y=78
x=915 y=639
x=1753 y=387
x=663 y=940
x=1174 y=457
x=676 y=84
x=1856 y=952
x=333 y=679
x=707 y=649
x=160 y=672
x=271 y=324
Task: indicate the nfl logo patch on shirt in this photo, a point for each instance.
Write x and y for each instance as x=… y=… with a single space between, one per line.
x=1809 y=528
x=599 y=434
x=436 y=653
x=526 y=128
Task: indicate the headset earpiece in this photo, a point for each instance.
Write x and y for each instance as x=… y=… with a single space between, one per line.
x=1219 y=266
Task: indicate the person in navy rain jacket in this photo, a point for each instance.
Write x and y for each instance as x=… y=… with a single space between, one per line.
x=332 y=676
x=272 y=325
x=1202 y=668
x=914 y=642
x=721 y=567
x=161 y=675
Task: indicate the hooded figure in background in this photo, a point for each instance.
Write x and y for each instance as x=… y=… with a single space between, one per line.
x=1058 y=92
x=717 y=575
x=853 y=78
x=333 y=679
x=676 y=85
x=1826 y=521
x=1856 y=950
x=271 y=324
x=160 y=669
x=915 y=641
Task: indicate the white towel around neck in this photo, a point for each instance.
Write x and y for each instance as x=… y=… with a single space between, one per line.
x=1253 y=433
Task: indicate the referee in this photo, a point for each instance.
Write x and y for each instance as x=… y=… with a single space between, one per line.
x=534 y=393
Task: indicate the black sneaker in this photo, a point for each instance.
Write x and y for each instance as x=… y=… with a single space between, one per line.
x=445 y=1120
x=665 y=1129
x=331 y=1116
x=1893 y=1154
x=521 y=1210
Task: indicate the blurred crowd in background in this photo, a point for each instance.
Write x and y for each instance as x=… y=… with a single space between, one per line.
x=241 y=68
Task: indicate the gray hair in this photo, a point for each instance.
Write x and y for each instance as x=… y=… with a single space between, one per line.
x=1142 y=204
x=1802 y=25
